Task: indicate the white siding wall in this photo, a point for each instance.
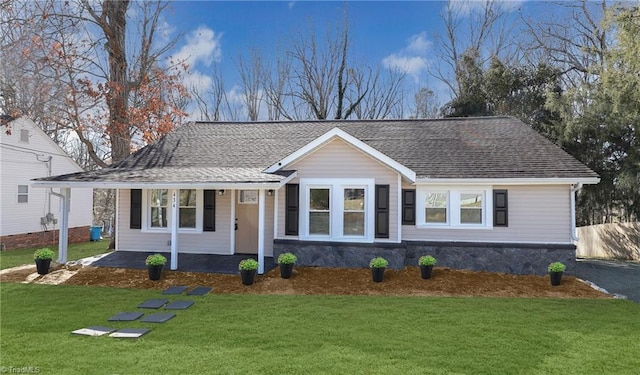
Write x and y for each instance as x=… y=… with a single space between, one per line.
x=338 y=159
x=18 y=165
x=537 y=214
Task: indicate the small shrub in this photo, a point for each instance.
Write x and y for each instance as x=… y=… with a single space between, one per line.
x=155 y=260
x=44 y=254
x=426 y=260
x=287 y=258
x=378 y=262
x=248 y=264
x=557 y=267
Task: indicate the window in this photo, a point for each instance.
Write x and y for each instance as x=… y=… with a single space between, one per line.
x=248 y=197
x=457 y=207
x=158 y=205
x=337 y=209
x=24 y=135
x=471 y=208
x=23 y=193
x=158 y=208
x=187 y=213
x=353 y=213
x=436 y=208
x=319 y=212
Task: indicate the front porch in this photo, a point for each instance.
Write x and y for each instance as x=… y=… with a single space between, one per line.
x=206 y=263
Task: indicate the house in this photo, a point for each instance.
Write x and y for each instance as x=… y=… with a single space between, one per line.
x=479 y=193
x=29 y=217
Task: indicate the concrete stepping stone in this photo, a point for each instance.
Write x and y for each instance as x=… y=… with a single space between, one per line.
x=157 y=318
x=153 y=303
x=125 y=316
x=179 y=305
x=130 y=333
x=178 y=289
x=93 y=331
x=199 y=291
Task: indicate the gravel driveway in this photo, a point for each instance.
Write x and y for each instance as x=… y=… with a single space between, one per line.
x=617 y=277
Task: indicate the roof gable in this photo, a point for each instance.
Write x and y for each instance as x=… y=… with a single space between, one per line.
x=337 y=133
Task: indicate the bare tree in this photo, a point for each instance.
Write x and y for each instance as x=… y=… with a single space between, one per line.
x=482 y=28
x=250 y=70
x=380 y=91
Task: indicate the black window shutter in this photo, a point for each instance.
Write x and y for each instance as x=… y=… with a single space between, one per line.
x=500 y=208
x=408 y=207
x=292 y=209
x=382 y=211
x=209 y=211
x=135 y=215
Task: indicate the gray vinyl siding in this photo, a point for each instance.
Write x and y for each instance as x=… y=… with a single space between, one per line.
x=537 y=214
x=218 y=242
x=338 y=159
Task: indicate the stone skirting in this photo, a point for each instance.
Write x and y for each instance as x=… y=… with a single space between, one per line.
x=522 y=259
x=44 y=238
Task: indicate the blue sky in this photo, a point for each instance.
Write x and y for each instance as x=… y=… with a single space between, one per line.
x=383 y=33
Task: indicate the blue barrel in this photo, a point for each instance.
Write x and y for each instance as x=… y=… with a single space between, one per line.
x=95 y=233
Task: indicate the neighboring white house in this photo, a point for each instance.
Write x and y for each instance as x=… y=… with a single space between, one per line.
x=29 y=216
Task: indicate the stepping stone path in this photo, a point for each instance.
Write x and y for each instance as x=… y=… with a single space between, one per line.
x=151 y=318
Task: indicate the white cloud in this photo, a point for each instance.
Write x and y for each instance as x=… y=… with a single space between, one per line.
x=419 y=44
x=412 y=65
x=203 y=46
x=411 y=59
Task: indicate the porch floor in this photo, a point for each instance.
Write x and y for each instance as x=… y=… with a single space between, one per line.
x=207 y=263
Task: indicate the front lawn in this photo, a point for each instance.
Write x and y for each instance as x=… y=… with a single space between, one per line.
x=268 y=334
x=75 y=251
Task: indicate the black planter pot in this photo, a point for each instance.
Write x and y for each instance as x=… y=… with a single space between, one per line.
x=285 y=270
x=155 y=272
x=42 y=265
x=556 y=278
x=425 y=271
x=248 y=276
x=377 y=274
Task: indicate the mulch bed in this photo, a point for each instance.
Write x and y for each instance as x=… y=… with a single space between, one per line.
x=349 y=281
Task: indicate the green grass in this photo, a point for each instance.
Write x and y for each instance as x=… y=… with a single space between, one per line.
x=12 y=258
x=237 y=334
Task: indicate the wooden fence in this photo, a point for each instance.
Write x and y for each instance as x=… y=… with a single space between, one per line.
x=610 y=241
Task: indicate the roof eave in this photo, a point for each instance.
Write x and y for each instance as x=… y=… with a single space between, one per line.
x=509 y=181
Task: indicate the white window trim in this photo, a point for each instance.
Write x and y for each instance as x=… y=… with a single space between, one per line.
x=336 y=208
x=146 y=212
x=453 y=206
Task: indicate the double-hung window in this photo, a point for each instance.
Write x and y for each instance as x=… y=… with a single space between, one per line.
x=159 y=209
x=158 y=206
x=320 y=211
x=454 y=207
x=23 y=193
x=337 y=209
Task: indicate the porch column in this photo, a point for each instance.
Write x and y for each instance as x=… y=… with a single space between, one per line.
x=63 y=232
x=261 y=199
x=174 y=229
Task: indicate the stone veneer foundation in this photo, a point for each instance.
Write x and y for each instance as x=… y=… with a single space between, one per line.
x=44 y=238
x=521 y=259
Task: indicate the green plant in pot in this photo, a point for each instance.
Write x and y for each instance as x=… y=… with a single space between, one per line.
x=155 y=263
x=556 y=269
x=426 y=263
x=248 y=269
x=43 y=258
x=286 y=262
x=378 y=265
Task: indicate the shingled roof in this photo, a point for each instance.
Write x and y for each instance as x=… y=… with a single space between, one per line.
x=460 y=148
